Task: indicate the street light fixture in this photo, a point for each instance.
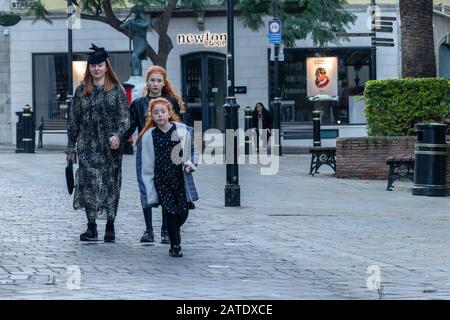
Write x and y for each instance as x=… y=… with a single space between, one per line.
x=373 y=48
x=69 y=48
x=276 y=104
x=232 y=188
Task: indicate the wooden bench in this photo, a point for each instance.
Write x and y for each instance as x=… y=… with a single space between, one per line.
x=400 y=166
x=321 y=156
x=51 y=126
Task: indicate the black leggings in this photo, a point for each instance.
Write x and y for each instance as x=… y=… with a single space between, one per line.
x=148 y=219
x=174 y=222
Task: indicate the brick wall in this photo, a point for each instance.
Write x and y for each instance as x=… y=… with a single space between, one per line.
x=365 y=158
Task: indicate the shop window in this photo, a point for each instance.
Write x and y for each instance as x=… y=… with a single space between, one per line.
x=353 y=72
x=50 y=81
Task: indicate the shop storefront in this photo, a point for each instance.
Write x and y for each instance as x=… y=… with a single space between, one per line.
x=197 y=68
x=353 y=70
x=50 y=80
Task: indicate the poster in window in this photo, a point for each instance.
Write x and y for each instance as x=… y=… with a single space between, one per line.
x=322 y=76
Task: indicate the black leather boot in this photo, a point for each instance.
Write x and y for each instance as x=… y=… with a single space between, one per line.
x=165 y=237
x=148 y=237
x=175 y=251
x=110 y=236
x=91 y=233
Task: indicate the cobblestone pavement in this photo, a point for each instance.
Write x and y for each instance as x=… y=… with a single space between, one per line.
x=294 y=237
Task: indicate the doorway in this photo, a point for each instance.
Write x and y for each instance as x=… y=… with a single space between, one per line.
x=204 y=89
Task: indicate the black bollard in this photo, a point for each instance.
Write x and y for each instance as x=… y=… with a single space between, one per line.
x=19 y=133
x=248 y=121
x=28 y=131
x=25 y=132
x=316 y=129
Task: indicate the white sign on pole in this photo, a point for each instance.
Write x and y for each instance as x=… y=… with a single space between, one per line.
x=322 y=76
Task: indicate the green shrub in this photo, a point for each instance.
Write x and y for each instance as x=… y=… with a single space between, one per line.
x=394 y=106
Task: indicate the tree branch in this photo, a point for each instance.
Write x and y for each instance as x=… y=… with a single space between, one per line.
x=94 y=18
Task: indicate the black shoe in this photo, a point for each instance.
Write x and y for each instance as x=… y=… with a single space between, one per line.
x=165 y=237
x=175 y=251
x=110 y=236
x=91 y=233
x=148 y=237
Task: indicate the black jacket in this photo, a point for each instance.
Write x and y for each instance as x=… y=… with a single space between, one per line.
x=138 y=110
x=266 y=119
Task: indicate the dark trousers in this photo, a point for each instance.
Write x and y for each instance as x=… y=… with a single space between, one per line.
x=174 y=222
x=148 y=219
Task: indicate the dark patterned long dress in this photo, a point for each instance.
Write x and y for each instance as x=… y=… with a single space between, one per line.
x=93 y=119
x=169 y=181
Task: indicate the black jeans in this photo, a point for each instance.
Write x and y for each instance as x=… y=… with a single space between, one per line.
x=174 y=222
x=148 y=219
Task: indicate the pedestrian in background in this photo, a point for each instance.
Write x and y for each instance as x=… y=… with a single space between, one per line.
x=262 y=120
x=157 y=85
x=164 y=163
x=98 y=119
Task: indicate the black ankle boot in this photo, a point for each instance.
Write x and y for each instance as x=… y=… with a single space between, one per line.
x=175 y=251
x=148 y=237
x=91 y=233
x=165 y=237
x=110 y=236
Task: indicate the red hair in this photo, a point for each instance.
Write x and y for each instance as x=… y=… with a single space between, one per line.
x=149 y=123
x=167 y=90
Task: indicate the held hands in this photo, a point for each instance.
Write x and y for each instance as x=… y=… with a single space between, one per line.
x=114 y=142
x=71 y=157
x=189 y=166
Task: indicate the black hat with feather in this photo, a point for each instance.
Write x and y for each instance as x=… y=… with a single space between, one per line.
x=98 y=56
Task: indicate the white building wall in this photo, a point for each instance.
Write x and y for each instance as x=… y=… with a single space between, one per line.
x=251 y=65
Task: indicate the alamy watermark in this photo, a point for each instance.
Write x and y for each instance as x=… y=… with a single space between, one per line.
x=373 y=281
x=73 y=281
x=216 y=147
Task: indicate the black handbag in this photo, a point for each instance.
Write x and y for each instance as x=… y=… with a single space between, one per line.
x=69 y=177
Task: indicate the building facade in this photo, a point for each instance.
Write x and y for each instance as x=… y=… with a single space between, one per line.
x=36 y=65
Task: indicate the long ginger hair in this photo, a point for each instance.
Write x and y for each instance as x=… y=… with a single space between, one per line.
x=110 y=79
x=149 y=122
x=168 y=90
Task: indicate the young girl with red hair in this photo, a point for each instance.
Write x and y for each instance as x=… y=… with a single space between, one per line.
x=164 y=163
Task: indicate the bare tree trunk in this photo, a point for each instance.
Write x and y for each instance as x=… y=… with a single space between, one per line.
x=418 y=56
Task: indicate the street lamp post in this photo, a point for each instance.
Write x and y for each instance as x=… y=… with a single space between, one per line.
x=276 y=104
x=232 y=188
x=69 y=48
x=373 y=48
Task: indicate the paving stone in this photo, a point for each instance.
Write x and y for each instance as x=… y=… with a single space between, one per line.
x=294 y=237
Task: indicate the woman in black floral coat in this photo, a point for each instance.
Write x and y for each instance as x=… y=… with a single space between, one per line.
x=97 y=120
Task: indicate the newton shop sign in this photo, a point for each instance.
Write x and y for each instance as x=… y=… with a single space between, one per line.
x=206 y=39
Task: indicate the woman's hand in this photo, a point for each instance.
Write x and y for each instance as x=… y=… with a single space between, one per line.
x=114 y=142
x=71 y=157
x=189 y=166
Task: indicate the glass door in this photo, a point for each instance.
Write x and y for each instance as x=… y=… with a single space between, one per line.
x=204 y=89
x=192 y=89
x=216 y=92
